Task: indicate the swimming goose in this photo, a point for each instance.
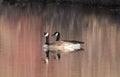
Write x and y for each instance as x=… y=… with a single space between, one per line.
x=45 y=47
x=72 y=45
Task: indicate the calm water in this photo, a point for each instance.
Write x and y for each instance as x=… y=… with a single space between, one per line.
x=21 y=41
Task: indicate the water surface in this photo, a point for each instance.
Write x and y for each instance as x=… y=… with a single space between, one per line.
x=21 y=41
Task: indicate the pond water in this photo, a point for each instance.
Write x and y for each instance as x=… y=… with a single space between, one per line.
x=21 y=40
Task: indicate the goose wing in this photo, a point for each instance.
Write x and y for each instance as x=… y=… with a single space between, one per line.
x=62 y=46
x=58 y=45
x=73 y=41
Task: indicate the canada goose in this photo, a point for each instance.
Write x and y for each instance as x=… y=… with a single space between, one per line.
x=45 y=47
x=76 y=45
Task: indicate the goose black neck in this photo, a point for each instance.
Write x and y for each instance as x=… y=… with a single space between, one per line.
x=58 y=37
x=47 y=40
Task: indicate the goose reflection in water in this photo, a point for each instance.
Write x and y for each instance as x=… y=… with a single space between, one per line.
x=60 y=46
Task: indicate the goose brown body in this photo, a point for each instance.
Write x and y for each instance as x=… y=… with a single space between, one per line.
x=63 y=47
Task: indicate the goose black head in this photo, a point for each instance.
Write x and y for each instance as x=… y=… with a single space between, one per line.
x=46 y=34
x=57 y=35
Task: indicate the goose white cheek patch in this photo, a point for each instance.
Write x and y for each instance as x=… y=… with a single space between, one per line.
x=46 y=34
x=56 y=34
